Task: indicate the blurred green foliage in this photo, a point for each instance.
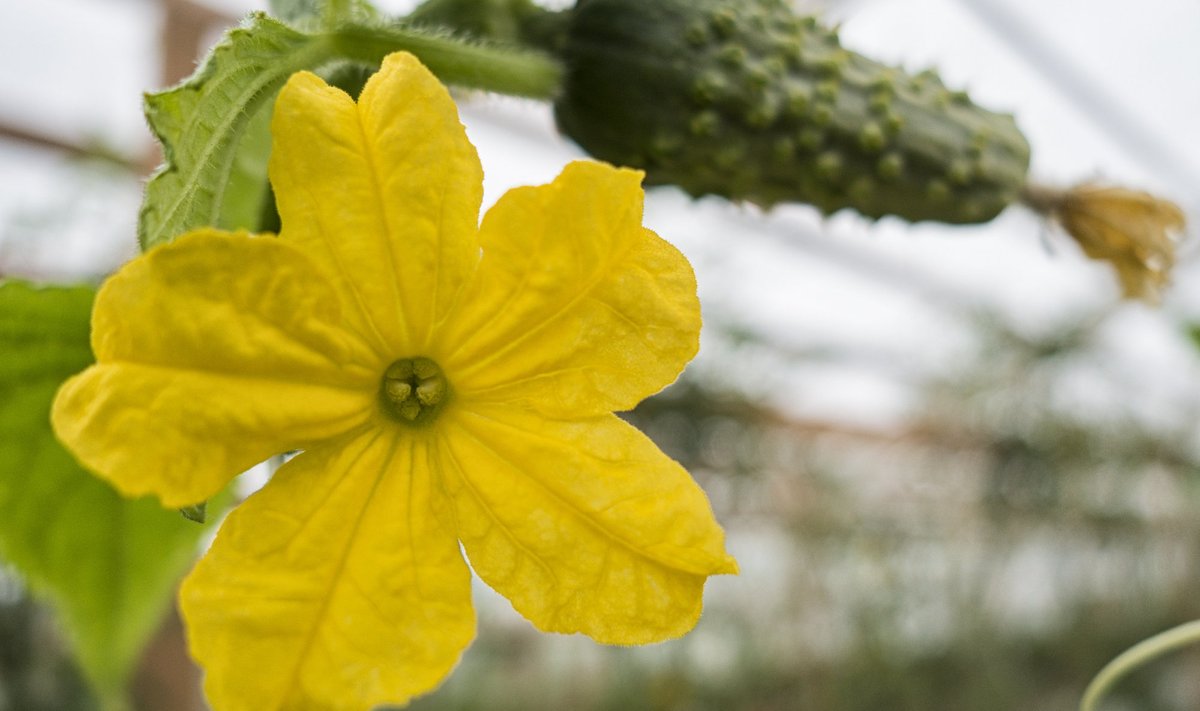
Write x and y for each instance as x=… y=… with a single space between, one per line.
x=108 y=565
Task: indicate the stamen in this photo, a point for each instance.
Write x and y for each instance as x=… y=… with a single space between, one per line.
x=413 y=391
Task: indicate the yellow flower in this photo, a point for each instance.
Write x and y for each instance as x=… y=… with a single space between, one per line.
x=448 y=381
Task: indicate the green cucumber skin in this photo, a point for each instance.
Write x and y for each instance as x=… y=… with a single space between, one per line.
x=746 y=100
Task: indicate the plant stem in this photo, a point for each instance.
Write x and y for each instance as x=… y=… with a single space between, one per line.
x=510 y=22
x=520 y=73
x=1134 y=657
x=1042 y=199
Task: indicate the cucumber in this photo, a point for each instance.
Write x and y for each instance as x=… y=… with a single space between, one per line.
x=748 y=100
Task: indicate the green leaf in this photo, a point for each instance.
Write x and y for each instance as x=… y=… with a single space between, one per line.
x=108 y=565
x=247 y=194
x=201 y=122
x=196 y=513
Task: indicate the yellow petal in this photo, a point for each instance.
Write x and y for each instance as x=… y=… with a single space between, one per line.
x=213 y=353
x=386 y=192
x=585 y=526
x=576 y=309
x=1132 y=230
x=334 y=587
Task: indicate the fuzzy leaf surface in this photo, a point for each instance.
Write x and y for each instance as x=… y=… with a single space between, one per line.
x=200 y=124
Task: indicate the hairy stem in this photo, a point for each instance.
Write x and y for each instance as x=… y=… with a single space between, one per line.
x=512 y=22
x=454 y=61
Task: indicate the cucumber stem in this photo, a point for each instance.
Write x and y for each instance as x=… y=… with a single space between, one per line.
x=521 y=73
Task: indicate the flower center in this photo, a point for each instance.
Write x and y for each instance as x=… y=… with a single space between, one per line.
x=413 y=390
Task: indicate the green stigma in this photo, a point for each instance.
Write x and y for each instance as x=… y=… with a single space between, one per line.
x=413 y=391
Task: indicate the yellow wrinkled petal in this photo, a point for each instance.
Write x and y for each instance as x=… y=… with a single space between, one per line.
x=1134 y=231
x=213 y=353
x=333 y=588
x=576 y=309
x=385 y=192
x=585 y=526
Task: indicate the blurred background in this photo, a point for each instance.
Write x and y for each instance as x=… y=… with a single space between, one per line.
x=957 y=471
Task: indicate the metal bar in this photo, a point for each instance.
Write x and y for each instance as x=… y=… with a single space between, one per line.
x=21 y=134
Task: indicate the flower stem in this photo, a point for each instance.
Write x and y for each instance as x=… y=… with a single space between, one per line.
x=1134 y=657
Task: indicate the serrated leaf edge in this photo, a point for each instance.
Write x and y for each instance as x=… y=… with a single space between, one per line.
x=227 y=131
